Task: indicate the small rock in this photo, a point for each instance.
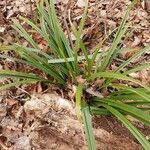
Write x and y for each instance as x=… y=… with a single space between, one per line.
x=23 y=143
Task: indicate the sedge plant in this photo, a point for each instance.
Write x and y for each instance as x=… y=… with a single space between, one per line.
x=62 y=63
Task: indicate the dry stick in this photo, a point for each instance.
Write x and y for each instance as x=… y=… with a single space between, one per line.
x=31 y=10
x=147 y=3
x=6 y=4
x=66 y=24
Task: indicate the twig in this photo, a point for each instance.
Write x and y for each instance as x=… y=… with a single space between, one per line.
x=66 y=24
x=147 y=3
x=31 y=10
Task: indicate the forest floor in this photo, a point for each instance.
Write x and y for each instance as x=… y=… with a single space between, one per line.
x=24 y=122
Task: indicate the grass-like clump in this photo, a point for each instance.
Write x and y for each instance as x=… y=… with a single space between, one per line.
x=62 y=64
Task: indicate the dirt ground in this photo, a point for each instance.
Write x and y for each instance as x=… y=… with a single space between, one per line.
x=38 y=117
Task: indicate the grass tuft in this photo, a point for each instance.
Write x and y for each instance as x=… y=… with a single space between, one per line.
x=61 y=64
